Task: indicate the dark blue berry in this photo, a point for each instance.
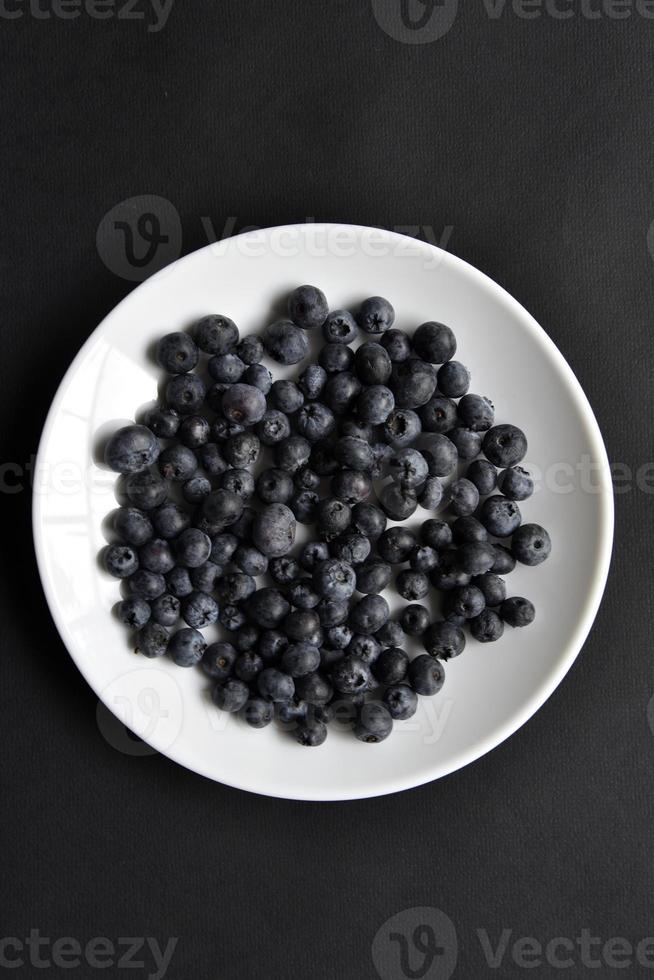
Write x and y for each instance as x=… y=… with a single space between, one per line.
x=500 y=516
x=517 y=612
x=391 y=666
x=376 y=315
x=463 y=497
x=476 y=413
x=121 y=560
x=231 y=696
x=134 y=612
x=453 y=379
x=487 y=627
x=426 y=675
x=308 y=307
x=413 y=383
x=438 y=415
x=444 y=641
x=244 y=404
x=152 y=640
x=164 y=422
x=484 y=476
x=515 y=483
x=165 y=610
x=401 y=701
x=374 y=723
x=216 y=334
x=531 y=544
x=434 y=342
x=177 y=353
x=133 y=526
x=505 y=445
x=258 y=712
x=396 y=344
x=285 y=342
x=185 y=393
x=132 y=449
x=186 y=647
x=192 y=548
x=339 y=327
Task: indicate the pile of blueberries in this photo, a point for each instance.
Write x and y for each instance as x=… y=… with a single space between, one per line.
x=222 y=470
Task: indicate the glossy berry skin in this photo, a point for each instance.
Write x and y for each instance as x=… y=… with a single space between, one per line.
x=185 y=393
x=247 y=639
x=369 y=520
x=396 y=344
x=195 y=489
x=315 y=421
x=332 y=612
x=434 y=342
x=443 y=457
x=239 y=481
x=500 y=516
x=424 y=559
x=223 y=547
x=218 y=511
x=396 y=544
x=515 y=483
x=354 y=453
x=177 y=463
x=275 y=685
x=475 y=557
x=170 y=520
x=186 y=647
x=351 y=486
x=120 y=560
x=375 y=404
x=339 y=327
x=412 y=585
x=250 y=560
x=227 y=368
x=372 y=364
x=468 y=529
x=449 y=574
x=131 y=449
x=152 y=640
x=464 y=497
x=504 y=560
x=271 y=646
x=408 y=468
x=302 y=595
x=205 y=577
x=426 y=675
x=192 y=548
x=199 y=610
x=216 y=334
x=453 y=379
x=465 y=602
x=156 y=556
x=401 y=701
x=177 y=353
x=334 y=516
x=304 y=506
x=468 y=443
x=242 y=450
x=336 y=358
x=250 y=350
x=413 y=384
x=133 y=526
x=402 y=428
x=484 y=476
x=248 y=666
x=376 y=315
x=369 y=614
x=476 y=413
x=414 y=619
x=285 y=342
x=164 y=422
x=134 y=612
x=286 y=397
x=259 y=376
x=267 y=607
x=244 y=404
x=310 y=732
x=531 y=544
x=374 y=723
x=487 y=627
x=235 y=587
x=147 y=585
x=314 y=689
x=211 y=459
x=517 y=612
x=438 y=415
x=430 y=494
x=302 y=625
x=436 y=534
x=372 y=577
x=391 y=666
x=165 y=610
x=231 y=696
x=444 y=641
x=505 y=445
x=292 y=454
x=258 y=713
x=398 y=503
x=364 y=647
x=341 y=392
x=492 y=587
x=308 y=307
x=300 y=659
x=275 y=486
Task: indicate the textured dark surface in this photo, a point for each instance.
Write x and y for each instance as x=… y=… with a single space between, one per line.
x=533 y=140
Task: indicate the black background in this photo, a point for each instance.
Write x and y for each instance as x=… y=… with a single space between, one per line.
x=532 y=139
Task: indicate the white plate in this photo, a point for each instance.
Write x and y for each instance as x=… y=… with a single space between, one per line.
x=489 y=691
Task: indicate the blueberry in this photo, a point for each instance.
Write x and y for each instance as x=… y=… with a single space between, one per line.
x=408 y=468
x=134 y=612
x=250 y=560
x=517 y=611
x=504 y=560
x=164 y=422
x=351 y=675
x=398 y=503
x=248 y=666
x=476 y=413
x=312 y=381
x=231 y=696
x=301 y=625
x=339 y=327
x=246 y=639
x=165 y=610
x=267 y=607
x=258 y=713
x=468 y=443
x=476 y=557
x=131 y=450
x=463 y=497
x=505 y=445
x=292 y=454
x=372 y=364
x=430 y=494
x=218 y=511
x=306 y=479
x=373 y=577
x=492 y=587
x=438 y=415
x=226 y=368
x=133 y=526
x=156 y=556
x=177 y=463
x=449 y=574
x=152 y=640
x=375 y=404
x=335 y=358
x=500 y=516
x=515 y=483
x=341 y=392
x=250 y=350
x=120 y=560
x=412 y=585
x=314 y=689
x=147 y=585
x=338 y=637
x=275 y=685
x=169 y=520
x=401 y=701
x=199 y=610
x=434 y=342
x=214 y=399
x=272 y=644
x=334 y=516
x=531 y=544
x=369 y=614
x=286 y=396
x=332 y=612
x=396 y=344
x=351 y=487
x=185 y=393
x=351 y=547
x=487 y=627
x=313 y=553
x=354 y=453
x=302 y=596
x=465 y=602
x=221 y=428
x=322 y=458
x=244 y=404
x=273 y=530
x=413 y=383
x=235 y=587
x=223 y=547
x=216 y=334
x=391 y=666
x=300 y=659
x=178 y=582
x=376 y=315
x=444 y=641
x=315 y=421
x=232 y=617
x=374 y=723
x=304 y=506
x=259 y=376
x=364 y=647
x=242 y=450
x=239 y=481
x=275 y=487
x=205 y=577
x=402 y=427
x=192 y=548
x=307 y=307
x=186 y=647
x=396 y=545
x=310 y=732
x=484 y=476
x=426 y=675
x=285 y=342
x=211 y=459
x=424 y=558
x=329 y=657
x=369 y=519
x=468 y=529
x=414 y=620
x=453 y=379
x=177 y=353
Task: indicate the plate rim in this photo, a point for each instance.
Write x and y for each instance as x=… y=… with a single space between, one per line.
x=597 y=586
